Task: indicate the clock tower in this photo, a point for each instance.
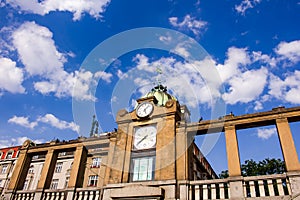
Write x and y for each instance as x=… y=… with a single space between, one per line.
x=144 y=148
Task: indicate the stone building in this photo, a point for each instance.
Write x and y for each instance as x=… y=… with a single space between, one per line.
x=152 y=155
x=8 y=157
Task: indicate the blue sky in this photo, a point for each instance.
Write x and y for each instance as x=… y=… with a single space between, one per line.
x=249 y=54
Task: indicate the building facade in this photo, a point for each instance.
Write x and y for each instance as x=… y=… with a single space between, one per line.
x=152 y=155
x=8 y=158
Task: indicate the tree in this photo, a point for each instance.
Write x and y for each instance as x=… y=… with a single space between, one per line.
x=264 y=167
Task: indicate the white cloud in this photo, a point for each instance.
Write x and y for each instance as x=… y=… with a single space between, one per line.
x=245 y=5
x=266 y=133
x=189 y=23
x=121 y=74
x=266 y=59
x=246 y=87
x=57 y=123
x=236 y=58
x=104 y=76
x=38 y=53
x=182 y=50
x=77 y=84
x=289 y=50
x=37 y=49
x=22 y=121
x=48 y=119
x=287 y=89
x=93 y=7
x=11 y=76
x=17 y=141
x=183 y=79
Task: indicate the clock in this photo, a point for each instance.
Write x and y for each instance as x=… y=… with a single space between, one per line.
x=145 y=137
x=144 y=109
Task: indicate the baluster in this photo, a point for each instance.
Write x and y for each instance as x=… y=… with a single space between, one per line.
x=97 y=196
x=86 y=195
x=213 y=191
x=280 y=187
x=80 y=195
x=271 y=188
x=245 y=189
x=252 y=189
x=190 y=191
x=288 y=185
x=51 y=196
x=28 y=196
x=205 y=192
x=261 y=188
x=222 y=190
x=197 y=192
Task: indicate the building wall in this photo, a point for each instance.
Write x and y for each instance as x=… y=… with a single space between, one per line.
x=8 y=157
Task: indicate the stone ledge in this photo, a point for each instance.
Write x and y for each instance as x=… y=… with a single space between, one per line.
x=137 y=191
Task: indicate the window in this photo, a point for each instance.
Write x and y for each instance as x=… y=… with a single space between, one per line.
x=58 y=167
x=4 y=169
x=9 y=155
x=142 y=169
x=31 y=170
x=67 y=182
x=54 y=184
x=96 y=162
x=62 y=153
x=25 y=186
x=93 y=180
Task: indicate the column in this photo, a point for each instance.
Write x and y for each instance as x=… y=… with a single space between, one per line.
x=78 y=167
x=77 y=171
x=48 y=169
x=109 y=161
x=20 y=171
x=232 y=150
x=46 y=174
x=287 y=145
x=181 y=154
x=234 y=168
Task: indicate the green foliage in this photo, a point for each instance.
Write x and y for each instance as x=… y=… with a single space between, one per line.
x=264 y=167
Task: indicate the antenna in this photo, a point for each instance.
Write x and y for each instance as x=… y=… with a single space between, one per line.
x=159 y=73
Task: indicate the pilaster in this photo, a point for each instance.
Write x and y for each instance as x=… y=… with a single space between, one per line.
x=78 y=168
x=232 y=150
x=287 y=145
x=48 y=169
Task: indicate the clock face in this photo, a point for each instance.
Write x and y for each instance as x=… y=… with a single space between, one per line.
x=145 y=137
x=144 y=109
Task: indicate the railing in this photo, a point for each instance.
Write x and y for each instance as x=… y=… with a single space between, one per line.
x=24 y=195
x=84 y=194
x=209 y=189
x=270 y=186
x=266 y=186
x=54 y=195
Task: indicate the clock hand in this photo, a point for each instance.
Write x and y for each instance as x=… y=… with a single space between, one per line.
x=142 y=139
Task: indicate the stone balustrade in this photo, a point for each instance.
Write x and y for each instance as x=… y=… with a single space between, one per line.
x=209 y=189
x=279 y=186
x=91 y=194
x=266 y=186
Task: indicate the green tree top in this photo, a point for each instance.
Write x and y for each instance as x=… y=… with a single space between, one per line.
x=264 y=167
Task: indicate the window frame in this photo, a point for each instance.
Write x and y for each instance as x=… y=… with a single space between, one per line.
x=96 y=162
x=150 y=169
x=4 y=169
x=58 y=167
x=94 y=180
x=54 y=184
x=8 y=154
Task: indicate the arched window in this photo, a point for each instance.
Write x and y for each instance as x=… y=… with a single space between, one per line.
x=9 y=154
